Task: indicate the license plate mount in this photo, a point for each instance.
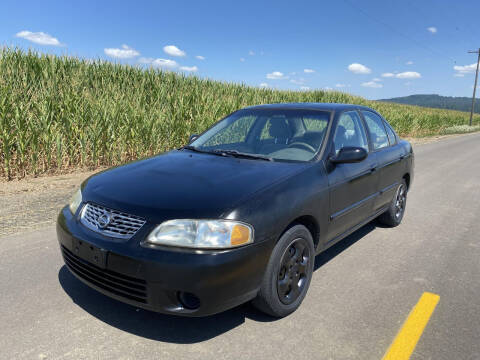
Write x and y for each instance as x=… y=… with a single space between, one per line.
x=90 y=253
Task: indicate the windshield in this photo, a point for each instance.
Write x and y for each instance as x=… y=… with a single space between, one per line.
x=288 y=134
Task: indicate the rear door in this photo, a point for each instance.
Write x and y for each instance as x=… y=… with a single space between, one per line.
x=389 y=157
x=352 y=186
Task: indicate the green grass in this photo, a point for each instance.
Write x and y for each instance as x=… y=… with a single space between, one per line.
x=60 y=113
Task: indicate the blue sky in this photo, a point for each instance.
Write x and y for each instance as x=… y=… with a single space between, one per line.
x=376 y=49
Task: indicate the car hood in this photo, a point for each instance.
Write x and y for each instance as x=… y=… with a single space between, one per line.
x=183 y=184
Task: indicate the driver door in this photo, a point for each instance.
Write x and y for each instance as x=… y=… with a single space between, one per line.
x=352 y=186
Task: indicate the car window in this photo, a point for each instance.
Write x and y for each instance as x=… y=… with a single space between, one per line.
x=235 y=132
x=350 y=132
x=390 y=133
x=315 y=123
x=375 y=126
x=275 y=120
x=280 y=134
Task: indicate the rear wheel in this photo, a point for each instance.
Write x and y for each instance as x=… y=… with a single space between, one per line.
x=288 y=273
x=394 y=215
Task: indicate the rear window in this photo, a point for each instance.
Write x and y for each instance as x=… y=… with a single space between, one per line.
x=392 y=137
x=376 y=128
x=316 y=123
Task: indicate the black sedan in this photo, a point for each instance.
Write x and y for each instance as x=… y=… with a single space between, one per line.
x=238 y=214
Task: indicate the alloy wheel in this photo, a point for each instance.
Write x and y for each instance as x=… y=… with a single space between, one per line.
x=400 y=201
x=293 y=272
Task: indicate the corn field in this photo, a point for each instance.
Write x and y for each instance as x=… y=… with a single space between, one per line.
x=61 y=113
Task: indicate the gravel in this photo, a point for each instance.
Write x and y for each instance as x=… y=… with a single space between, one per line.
x=33 y=203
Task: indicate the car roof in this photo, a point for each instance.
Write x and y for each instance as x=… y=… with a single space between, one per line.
x=310 y=106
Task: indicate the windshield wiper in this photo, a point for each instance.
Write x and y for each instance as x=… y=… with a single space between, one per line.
x=212 y=152
x=221 y=152
x=239 y=154
x=193 y=148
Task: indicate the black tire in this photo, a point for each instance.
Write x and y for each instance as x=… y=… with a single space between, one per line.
x=394 y=215
x=288 y=274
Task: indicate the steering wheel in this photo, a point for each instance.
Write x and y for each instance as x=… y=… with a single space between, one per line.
x=300 y=144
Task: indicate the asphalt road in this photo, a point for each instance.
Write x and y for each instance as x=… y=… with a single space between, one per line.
x=362 y=290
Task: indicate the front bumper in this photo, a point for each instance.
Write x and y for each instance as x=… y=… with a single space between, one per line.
x=153 y=278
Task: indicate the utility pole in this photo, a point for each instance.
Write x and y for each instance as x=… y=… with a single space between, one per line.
x=475 y=85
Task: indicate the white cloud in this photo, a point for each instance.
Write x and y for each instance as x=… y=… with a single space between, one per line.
x=242 y=59
x=39 y=38
x=459 y=75
x=200 y=57
x=359 y=69
x=465 y=69
x=342 y=85
x=264 y=85
x=300 y=81
x=304 y=88
x=402 y=75
x=408 y=75
x=165 y=63
x=432 y=29
x=409 y=63
x=372 y=84
x=125 y=52
x=189 y=68
x=308 y=71
x=408 y=83
x=172 y=50
x=145 y=60
x=327 y=88
x=377 y=79
x=251 y=53
x=162 y=63
x=276 y=75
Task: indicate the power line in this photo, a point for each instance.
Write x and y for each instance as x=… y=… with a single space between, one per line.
x=465 y=24
x=425 y=16
x=392 y=29
x=475 y=84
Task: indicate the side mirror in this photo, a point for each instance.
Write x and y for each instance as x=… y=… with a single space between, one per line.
x=192 y=138
x=349 y=154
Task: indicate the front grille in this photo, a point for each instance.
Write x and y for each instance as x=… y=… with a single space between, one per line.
x=121 y=285
x=119 y=224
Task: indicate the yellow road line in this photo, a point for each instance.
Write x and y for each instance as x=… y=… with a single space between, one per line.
x=408 y=336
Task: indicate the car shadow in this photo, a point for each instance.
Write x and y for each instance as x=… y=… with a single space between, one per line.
x=177 y=329
x=151 y=325
x=344 y=244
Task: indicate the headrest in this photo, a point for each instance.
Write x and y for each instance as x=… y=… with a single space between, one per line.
x=341 y=131
x=279 y=128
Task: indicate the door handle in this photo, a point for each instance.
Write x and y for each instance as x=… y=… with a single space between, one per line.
x=402 y=157
x=373 y=169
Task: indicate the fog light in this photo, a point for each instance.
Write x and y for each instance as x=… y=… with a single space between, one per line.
x=188 y=300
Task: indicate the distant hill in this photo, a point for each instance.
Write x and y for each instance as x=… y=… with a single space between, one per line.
x=437 y=101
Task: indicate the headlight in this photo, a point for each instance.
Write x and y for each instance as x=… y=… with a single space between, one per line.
x=75 y=201
x=206 y=234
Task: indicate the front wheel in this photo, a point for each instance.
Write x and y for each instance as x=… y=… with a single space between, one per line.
x=394 y=215
x=288 y=273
